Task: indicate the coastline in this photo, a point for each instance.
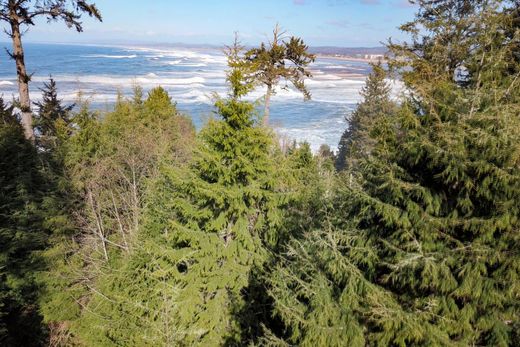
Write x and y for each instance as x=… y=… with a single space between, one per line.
x=349 y=58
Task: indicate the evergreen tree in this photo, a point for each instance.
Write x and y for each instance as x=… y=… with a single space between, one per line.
x=268 y=65
x=109 y=160
x=355 y=142
x=425 y=250
x=52 y=118
x=18 y=14
x=7 y=113
x=22 y=189
x=159 y=102
x=209 y=224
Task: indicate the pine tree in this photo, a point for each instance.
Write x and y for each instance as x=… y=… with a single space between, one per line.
x=268 y=65
x=425 y=250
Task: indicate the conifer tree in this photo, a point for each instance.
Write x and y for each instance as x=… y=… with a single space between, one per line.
x=21 y=14
x=270 y=65
x=425 y=250
x=22 y=190
x=307 y=184
x=355 y=142
x=109 y=160
x=208 y=225
x=52 y=118
x=158 y=102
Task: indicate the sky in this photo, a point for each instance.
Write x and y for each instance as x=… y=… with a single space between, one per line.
x=344 y=23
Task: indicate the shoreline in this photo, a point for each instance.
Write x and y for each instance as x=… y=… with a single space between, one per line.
x=349 y=58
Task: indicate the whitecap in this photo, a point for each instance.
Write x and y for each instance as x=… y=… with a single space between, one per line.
x=193 y=95
x=193 y=64
x=109 y=56
x=169 y=81
x=146 y=80
x=336 y=67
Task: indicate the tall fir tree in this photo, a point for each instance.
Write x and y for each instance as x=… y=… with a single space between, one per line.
x=355 y=143
x=425 y=250
x=52 y=118
x=209 y=224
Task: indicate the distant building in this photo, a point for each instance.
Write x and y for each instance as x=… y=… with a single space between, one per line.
x=374 y=56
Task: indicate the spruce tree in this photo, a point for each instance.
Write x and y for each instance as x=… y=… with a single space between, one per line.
x=355 y=142
x=22 y=235
x=208 y=225
x=52 y=118
x=425 y=250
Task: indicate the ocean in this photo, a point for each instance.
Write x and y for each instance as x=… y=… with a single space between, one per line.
x=191 y=76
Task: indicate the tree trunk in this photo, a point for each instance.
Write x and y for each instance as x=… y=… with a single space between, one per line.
x=23 y=78
x=267 y=104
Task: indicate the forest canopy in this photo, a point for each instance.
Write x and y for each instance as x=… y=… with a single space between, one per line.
x=128 y=227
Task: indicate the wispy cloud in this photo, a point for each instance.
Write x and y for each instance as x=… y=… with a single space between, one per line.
x=299 y=2
x=339 y=23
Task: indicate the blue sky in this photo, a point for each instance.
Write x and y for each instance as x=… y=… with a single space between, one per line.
x=349 y=23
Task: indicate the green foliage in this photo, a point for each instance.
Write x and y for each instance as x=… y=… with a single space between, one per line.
x=423 y=249
x=269 y=62
x=52 y=120
x=53 y=128
x=158 y=104
x=7 y=113
x=108 y=164
x=355 y=143
x=310 y=181
x=22 y=189
x=268 y=65
x=208 y=225
x=239 y=74
x=163 y=238
x=223 y=216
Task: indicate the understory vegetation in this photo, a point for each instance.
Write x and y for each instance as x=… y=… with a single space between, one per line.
x=130 y=228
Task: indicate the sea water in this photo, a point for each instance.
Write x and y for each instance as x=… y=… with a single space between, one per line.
x=192 y=77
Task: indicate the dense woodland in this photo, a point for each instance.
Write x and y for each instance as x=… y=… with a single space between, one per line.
x=129 y=228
